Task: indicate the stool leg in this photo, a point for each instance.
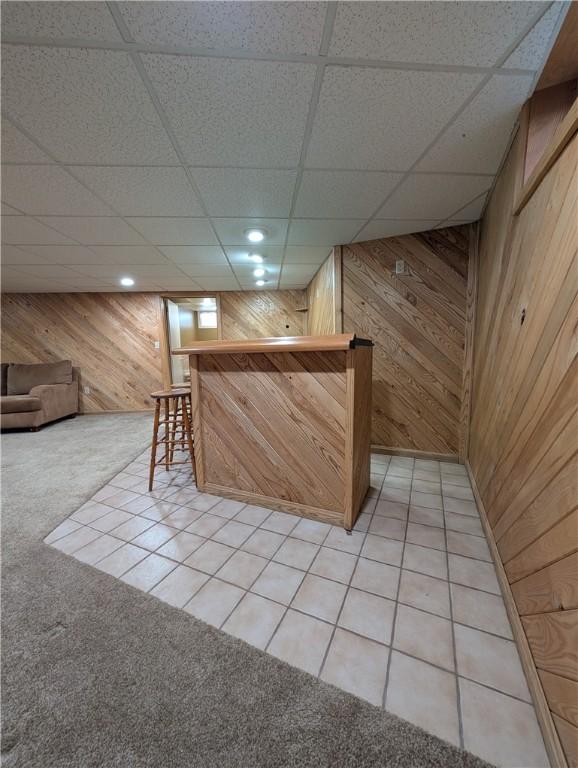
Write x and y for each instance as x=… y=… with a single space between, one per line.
x=154 y=444
x=176 y=403
x=187 y=429
x=167 y=433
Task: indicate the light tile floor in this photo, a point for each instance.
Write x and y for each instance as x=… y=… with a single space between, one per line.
x=405 y=612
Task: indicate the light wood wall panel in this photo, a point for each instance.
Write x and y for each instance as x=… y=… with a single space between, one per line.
x=417 y=323
x=524 y=425
x=324 y=297
x=111 y=336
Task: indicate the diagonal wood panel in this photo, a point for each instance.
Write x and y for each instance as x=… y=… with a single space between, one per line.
x=417 y=323
x=251 y=314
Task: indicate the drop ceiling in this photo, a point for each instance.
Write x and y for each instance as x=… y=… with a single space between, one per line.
x=145 y=138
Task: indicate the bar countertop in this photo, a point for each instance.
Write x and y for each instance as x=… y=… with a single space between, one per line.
x=335 y=342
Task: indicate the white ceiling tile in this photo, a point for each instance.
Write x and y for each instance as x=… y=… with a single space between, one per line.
x=12 y=255
x=60 y=254
x=472 y=211
x=379 y=119
x=335 y=194
x=323 y=232
x=245 y=273
x=48 y=271
x=175 y=230
x=299 y=271
x=7 y=210
x=126 y=254
x=245 y=192
x=59 y=20
x=23 y=230
x=380 y=228
x=462 y=33
x=145 y=191
x=232 y=231
x=532 y=50
x=218 y=284
x=272 y=254
x=434 y=196
x=197 y=254
x=206 y=270
x=16 y=148
x=84 y=105
x=477 y=140
x=301 y=254
x=45 y=190
x=150 y=272
x=265 y=27
x=94 y=230
x=183 y=283
x=234 y=112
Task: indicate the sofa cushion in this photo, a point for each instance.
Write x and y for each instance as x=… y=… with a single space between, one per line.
x=19 y=404
x=4 y=379
x=22 y=377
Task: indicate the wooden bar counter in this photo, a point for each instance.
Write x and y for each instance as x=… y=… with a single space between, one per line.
x=284 y=423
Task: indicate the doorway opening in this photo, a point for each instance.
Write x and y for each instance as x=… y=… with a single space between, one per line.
x=188 y=319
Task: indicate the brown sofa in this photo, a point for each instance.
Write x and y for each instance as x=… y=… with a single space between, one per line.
x=33 y=395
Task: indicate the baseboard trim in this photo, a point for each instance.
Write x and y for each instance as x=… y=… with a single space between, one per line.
x=545 y=721
x=429 y=455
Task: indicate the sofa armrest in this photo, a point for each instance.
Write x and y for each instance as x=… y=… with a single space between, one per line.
x=57 y=400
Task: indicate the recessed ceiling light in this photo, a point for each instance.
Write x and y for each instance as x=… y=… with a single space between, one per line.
x=256 y=257
x=260 y=282
x=128 y=281
x=255 y=235
x=259 y=272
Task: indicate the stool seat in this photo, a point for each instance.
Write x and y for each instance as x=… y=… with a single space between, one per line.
x=177 y=392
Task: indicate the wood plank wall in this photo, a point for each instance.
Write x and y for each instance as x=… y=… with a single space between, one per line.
x=524 y=427
x=111 y=336
x=324 y=297
x=417 y=323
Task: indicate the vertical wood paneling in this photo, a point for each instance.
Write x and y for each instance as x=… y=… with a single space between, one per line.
x=417 y=323
x=324 y=297
x=523 y=437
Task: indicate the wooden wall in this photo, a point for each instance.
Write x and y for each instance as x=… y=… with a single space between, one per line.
x=524 y=427
x=324 y=297
x=417 y=323
x=111 y=336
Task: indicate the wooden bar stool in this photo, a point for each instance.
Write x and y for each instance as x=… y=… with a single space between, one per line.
x=176 y=420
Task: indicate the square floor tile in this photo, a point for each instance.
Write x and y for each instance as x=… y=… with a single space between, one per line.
x=181 y=517
x=209 y=557
x=399 y=495
x=424 y=695
x=426 y=536
x=97 y=550
x=263 y=543
x=148 y=572
x=131 y=528
x=381 y=549
x=388 y=527
x=90 y=512
x=125 y=481
x=480 y=610
x=458 y=492
x=460 y=507
x=253 y=515
x=333 y=564
x=500 y=729
x=161 y=491
x=155 y=537
x=320 y=597
x=104 y=493
x=206 y=525
x=423 y=635
x=179 y=586
x=391 y=509
x=490 y=660
x=301 y=641
x=362 y=523
x=137 y=506
x=66 y=527
x=428 y=500
x=473 y=573
x=356 y=665
x=75 y=540
x=378 y=578
x=233 y=534
x=157 y=510
x=425 y=560
x=227 y=508
x=113 y=519
x=242 y=569
x=205 y=502
x=425 y=516
x=254 y=620
x=278 y=582
x=453 y=481
x=120 y=498
x=339 y=538
x=368 y=615
x=298 y=554
x=280 y=522
x=394 y=481
x=469 y=546
x=426 y=486
x=214 y=602
x=425 y=592
x=311 y=530
x=427 y=475
x=181 y=546
x=463 y=524
x=122 y=560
